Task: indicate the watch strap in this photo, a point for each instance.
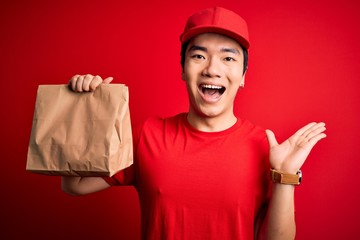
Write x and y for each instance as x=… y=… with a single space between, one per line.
x=286 y=178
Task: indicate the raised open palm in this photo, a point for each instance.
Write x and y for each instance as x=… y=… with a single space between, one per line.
x=290 y=155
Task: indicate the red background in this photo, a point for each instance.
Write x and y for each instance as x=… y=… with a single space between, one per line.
x=304 y=66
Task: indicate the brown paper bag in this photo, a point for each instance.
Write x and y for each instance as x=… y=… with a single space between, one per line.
x=80 y=134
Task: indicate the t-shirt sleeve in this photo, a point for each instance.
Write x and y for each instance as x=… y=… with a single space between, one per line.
x=124 y=177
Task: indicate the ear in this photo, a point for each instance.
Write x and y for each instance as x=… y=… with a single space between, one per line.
x=242 y=82
x=183 y=76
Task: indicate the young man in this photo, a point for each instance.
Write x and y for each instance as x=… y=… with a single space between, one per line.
x=205 y=174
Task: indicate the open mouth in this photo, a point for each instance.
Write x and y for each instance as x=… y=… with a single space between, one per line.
x=212 y=90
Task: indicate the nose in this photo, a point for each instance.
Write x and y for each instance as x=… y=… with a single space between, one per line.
x=212 y=69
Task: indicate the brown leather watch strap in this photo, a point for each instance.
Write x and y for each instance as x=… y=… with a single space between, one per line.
x=285 y=178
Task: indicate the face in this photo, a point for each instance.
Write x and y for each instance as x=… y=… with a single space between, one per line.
x=213 y=71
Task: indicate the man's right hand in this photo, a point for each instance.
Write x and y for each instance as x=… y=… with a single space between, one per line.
x=87 y=83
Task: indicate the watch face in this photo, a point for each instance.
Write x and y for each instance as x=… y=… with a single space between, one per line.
x=299 y=173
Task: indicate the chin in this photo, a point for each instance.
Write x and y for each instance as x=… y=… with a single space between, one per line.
x=208 y=113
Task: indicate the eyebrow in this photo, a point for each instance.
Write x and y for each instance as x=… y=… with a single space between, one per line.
x=231 y=50
x=196 y=47
x=204 y=49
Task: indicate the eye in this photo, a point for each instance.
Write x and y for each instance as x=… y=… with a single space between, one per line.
x=229 y=59
x=197 y=56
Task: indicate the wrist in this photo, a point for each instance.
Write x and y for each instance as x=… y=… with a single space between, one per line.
x=286 y=178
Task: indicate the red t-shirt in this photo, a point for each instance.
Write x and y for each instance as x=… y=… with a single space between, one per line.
x=198 y=185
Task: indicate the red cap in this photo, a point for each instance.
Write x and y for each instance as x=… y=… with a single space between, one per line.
x=217 y=20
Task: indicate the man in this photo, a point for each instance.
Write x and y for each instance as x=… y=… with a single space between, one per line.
x=205 y=174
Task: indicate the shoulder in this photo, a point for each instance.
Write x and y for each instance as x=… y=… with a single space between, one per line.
x=253 y=134
x=157 y=124
x=250 y=129
x=160 y=122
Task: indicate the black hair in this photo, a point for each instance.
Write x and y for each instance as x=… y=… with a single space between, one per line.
x=186 y=44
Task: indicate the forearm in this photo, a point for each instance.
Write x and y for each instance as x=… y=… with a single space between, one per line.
x=82 y=185
x=287 y=157
x=69 y=184
x=280 y=219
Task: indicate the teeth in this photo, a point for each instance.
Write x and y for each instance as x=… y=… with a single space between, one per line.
x=211 y=86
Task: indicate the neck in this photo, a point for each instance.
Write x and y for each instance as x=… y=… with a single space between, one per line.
x=211 y=124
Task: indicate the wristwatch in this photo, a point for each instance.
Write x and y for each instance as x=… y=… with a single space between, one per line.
x=286 y=178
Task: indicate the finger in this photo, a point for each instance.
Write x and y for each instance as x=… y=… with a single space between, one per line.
x=316 y=130
x=86 y=83
x=302 y=130
x=72 y=82
x=97 y=80
x=317 y=138
x=79 y=83
x=271 y=138
x=108 y=80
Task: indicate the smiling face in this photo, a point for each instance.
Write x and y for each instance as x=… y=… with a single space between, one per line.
x=213 y=71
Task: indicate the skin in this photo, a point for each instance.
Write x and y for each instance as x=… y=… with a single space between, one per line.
x=216 y=60
x=212 y=59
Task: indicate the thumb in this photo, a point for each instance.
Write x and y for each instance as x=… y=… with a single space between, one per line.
x=108 y=80
x=271 y=138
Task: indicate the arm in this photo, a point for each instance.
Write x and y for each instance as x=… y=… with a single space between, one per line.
x=82 y=185
x=287 y=157
x=280 y=219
